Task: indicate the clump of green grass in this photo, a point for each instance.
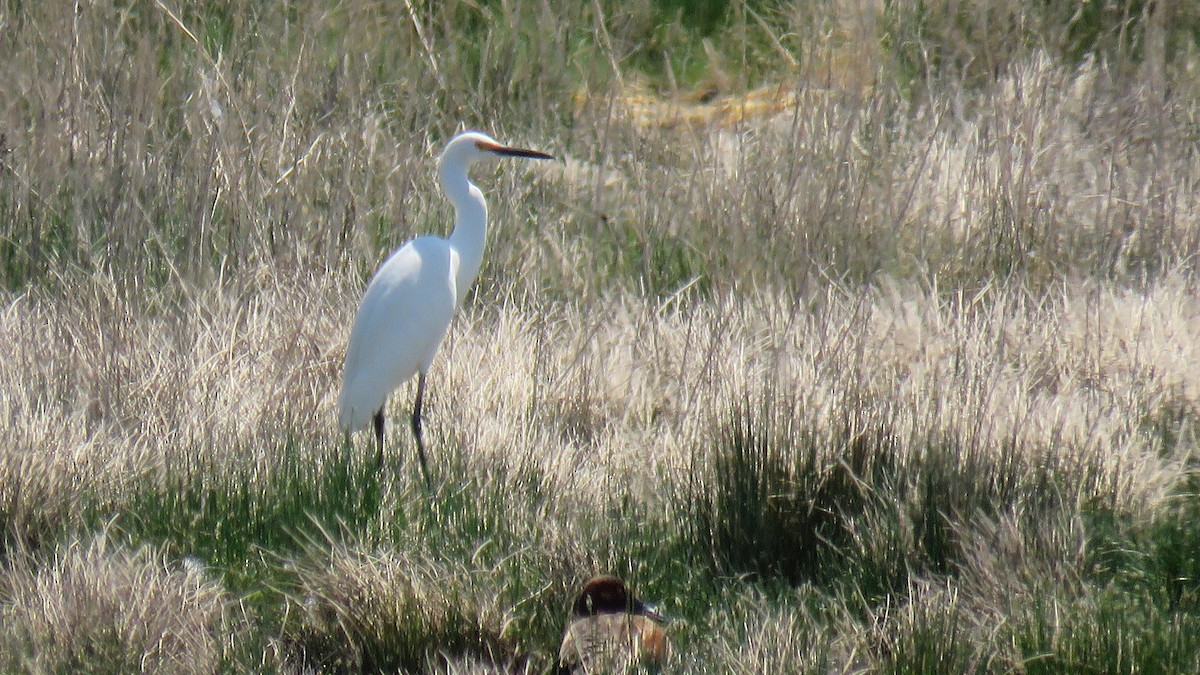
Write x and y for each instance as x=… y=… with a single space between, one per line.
x=858 y=504
x=1108 y=630
x=1158 y=560
x=224 y=515
x=929 y=633
x=950 y=40
x=773 y=499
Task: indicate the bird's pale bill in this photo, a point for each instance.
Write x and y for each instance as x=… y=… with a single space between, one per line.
x=511 y=152
x=649 y=612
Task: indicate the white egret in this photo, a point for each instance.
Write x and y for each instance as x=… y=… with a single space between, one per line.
x=407 y=307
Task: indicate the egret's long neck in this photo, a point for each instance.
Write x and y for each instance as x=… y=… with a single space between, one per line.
x=470 y=225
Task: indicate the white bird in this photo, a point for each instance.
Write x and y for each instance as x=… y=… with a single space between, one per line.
x=406 y=310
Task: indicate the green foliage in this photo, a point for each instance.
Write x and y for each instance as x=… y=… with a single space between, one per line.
x=103 y=650
x=849 y=506
x=228 y=518
x=1175 y=549
x=1159 y=561
x=957 y=40
x=774 y=499
x=953 y=39
x=1109 y=631
x=931 y=635
x=1121 y=30
x=662 y=263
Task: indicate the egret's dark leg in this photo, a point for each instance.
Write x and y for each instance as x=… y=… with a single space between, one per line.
x=416 y=427
x=379 y=437
x=347 y=447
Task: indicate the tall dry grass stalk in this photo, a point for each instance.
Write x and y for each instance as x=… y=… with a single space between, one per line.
x=301 y=140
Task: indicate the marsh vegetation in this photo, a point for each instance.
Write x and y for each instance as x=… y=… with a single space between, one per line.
x=861 y=336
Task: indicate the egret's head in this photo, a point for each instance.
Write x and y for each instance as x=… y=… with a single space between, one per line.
x=471 y=146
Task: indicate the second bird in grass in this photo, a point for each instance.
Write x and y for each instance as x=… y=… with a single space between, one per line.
x=611 y=631
x=407 y=307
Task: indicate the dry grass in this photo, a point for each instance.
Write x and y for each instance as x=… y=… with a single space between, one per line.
x=891 y=369
x=612 y=424
x=381 y=611
x=96 y=607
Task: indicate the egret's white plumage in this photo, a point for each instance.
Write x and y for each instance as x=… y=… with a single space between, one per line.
x=403 y=317
x=407 y=307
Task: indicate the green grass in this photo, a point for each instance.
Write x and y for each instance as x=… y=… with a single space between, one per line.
x=1110 y=631
x=227 y=519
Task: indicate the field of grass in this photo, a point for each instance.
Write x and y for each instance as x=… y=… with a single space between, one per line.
x=858 y=335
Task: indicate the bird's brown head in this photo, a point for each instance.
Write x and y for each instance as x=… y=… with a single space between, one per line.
x=607 y=594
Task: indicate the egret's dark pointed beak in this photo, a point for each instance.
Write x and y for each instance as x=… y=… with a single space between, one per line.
x=506 y=151
x=518 y=152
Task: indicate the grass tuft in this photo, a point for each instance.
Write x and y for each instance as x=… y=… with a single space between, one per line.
x=782 y=499
x=102 y=608
x=376 y=611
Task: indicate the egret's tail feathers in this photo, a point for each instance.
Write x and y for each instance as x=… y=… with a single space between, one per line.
x=353 y=415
